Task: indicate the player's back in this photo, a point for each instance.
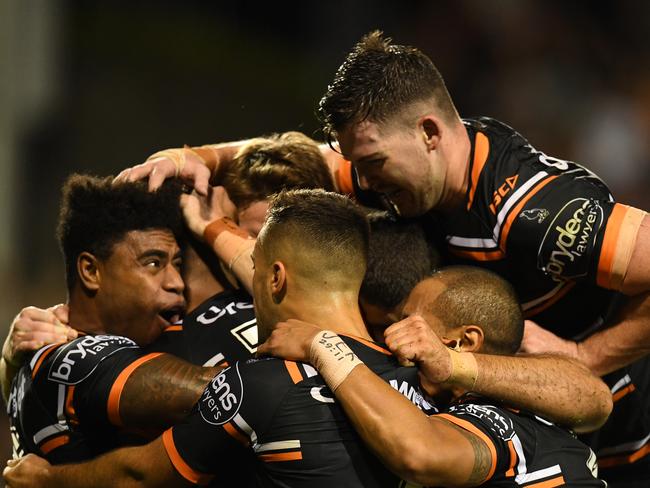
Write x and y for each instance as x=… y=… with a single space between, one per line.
x=284 y=413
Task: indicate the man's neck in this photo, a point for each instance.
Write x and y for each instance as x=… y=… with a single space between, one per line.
x=457 y=178
x=337 y=312
x=83 y=314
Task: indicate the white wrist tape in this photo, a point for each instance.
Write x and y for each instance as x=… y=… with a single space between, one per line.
x=332 y=357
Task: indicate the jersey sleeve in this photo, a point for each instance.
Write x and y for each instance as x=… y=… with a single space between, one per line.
x=575 y=229
x=216 y=434
x=492 y=427
x=90 y=373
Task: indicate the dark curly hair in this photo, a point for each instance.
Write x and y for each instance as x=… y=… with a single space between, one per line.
x=95 y=214
x=377 y=81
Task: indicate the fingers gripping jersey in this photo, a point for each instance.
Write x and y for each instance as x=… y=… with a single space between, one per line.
x=64 y=404
x=551 y=227
x=218 y=332
x=526 y=450
x=284 y=413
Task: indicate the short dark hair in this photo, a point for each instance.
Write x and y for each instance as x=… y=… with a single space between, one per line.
x=475 y=296
x=399 y=257
x=378 y=80
x=267 y=165
x=96 y=214
x=329 y=232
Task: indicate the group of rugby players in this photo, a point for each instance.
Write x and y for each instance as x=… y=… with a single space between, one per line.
x=384 y=347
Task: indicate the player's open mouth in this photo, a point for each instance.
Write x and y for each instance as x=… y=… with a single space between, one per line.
x=172 y=315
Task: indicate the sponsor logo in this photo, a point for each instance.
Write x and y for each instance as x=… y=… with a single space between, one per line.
x=538 y=214
x=222 y=397
x=317 y=394
x=501 y=192
x=570 y=239
x=499 y=423
x=75 y=361
x=214 y=313
x=246 y=333
x=412 y=394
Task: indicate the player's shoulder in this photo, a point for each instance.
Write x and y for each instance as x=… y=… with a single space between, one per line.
x=73 y=362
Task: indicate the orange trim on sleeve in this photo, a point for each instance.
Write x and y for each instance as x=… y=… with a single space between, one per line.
x=343 y=177
x=173 y=328
x=559 y=481
x=608 y=462
x=513 y=459
x=70 y=412
x=481 y=150
x=179 y=463
x=52 y=444
x=554 y=299
x=233 y=432
x=294 y=372
x=505 y=230
x=479 y=255
x=622 y=392
x=468 y=426
x=113 y=404
x=618 y=244
x=42 y=358
x=281 y=456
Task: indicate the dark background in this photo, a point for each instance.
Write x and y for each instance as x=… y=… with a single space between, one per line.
x=98 y=86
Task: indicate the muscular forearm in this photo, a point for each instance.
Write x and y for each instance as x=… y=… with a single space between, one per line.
x=402 y=436
x=162 y=391
x=627 y=340
x=555 y=387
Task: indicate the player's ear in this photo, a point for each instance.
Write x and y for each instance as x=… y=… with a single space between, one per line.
x=430 y=128
x=471 y=339
x=278 y=281
x=88 y=271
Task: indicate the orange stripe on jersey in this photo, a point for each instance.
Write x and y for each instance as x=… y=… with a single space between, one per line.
x=622 y=392
x=343 y=177
x=618 y=244
x=505 y=230
x=368 y=343
x=70 y=412
x=608 y=462
x=113 y=405
x=513 y=459
x=179 y=463
x=294 y=372
x=52 y=444
x=238 y=436
x=559 y=481
x=281 y=456
x=555 y=298
x=173 y=328
x=464 y=424
x=42 y=358
x=479 y=255
x=481 y=150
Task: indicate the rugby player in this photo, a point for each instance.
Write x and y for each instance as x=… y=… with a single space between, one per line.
x=472 y=440
x=580 y=262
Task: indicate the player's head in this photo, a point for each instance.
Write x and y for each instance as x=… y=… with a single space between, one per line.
x=312 y=249
x=121 y=255
x=399 y=257
x=474 y=307
x=265 y=166
x=390 y=112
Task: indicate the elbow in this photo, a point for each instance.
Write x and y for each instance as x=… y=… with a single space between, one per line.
x=417 y=465
x=599 y=407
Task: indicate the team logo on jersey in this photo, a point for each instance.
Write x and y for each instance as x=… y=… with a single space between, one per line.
x=222 y=397
x=500 y=424
x=75 y=361
x=538 y=214
x=246 y=333
x=570 y=240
